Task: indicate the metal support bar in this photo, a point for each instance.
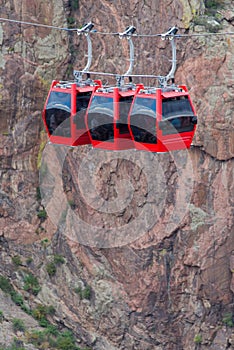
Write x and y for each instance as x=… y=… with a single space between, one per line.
x=131 y=60
x=86 y=31
x=170 y=35
x=128 y=34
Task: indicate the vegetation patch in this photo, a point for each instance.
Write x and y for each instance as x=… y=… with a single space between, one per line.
x=71 y=21
x=45 y=242
x=29 y=260
x=228 y=319
x=58 y=259
x=197 y=216
x=75 y=4
x=40 y=152
x=211 y=24
x=42 y=214
x=31 y=284
x=15 y=345
x=51 y=268
x=84 y=293
x=198 y=339
x=5 y=285
x=213 y=4
x=17 y=298
x=16 y=260
x=50 y=337
x=38 y=194
x=53 y=340
x=1 y=316
x=42 y=311
x=18 y=325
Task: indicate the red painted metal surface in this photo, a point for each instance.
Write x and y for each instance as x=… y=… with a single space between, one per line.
x=68 y=117
x=106 y=119
x=168 y=136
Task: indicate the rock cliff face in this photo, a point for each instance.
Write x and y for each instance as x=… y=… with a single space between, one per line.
x=169 y=288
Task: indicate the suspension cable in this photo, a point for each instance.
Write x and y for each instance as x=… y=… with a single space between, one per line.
x=114 y=33
x=36 y=24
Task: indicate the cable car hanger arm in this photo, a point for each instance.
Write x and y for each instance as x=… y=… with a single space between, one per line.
x=86 y=29
x=129 y=31
x=170 y=35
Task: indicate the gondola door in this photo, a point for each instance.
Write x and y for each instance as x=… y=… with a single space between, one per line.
x=122 y=104
x=80 y=101
x=142 y=121
x=100 y=119
x=106 y=119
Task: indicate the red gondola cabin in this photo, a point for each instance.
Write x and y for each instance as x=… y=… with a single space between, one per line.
x=162 y=120
x=64 y=112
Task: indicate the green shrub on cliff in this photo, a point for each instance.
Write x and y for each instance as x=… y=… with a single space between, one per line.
x=59 y=259
x=51 y=269
x=228 y=319
x=1 y=316
x=66 y=341
x=84 y=293
x=59 y=341
x=31 y=284
x=213 y=4
x=198 y=339
x=17 y=298
x=15 y=345
x=42 y=311
x=18 y=325
x=5 y=285
x=16 y=260
x=42 y=214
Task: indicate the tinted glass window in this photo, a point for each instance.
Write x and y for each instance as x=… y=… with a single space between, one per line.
x=58 y=111
x=82 y=101
x=143 y=120
x=101 y=119
x=99 y=102
x=176 y=106
x=61 y=100
x=177 y=115
x=124 y=107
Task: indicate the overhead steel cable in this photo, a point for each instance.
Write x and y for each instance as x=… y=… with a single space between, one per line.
x=36 y=24
x=114 y=33
x=202 y=34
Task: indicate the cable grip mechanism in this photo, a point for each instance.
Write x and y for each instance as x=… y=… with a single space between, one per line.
x=86 y=29
x=170 y=34
x=129 y=31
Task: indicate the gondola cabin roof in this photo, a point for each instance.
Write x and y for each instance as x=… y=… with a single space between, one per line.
x=171 y=94
x=168 y=92
x=66 y=86
x=124 y=92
